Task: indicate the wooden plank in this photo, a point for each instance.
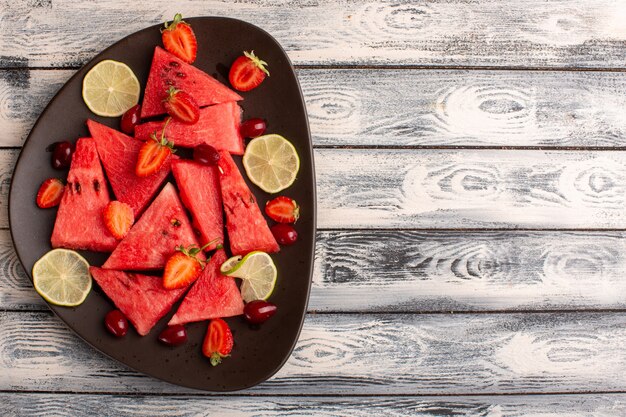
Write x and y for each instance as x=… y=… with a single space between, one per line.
x=561 y=33
x=20 y=404
x=470 y=189
x=361 y=354
x=411 y=107
x=443 y=189
x=407 y=271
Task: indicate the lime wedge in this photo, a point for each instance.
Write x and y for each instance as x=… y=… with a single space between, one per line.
x=271 y=162
x=258 y=272
x=110 y=88
x=62 y=277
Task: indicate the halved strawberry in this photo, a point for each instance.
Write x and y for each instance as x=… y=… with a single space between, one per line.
x=181 y=106
x=183 y=268
x=179 y=39
x=247 y=72
x=118 y=218
x=218 y=342
x=50 y=193
x=153 y=154
x=283 y=210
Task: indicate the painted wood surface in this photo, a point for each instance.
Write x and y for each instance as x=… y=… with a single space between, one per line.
x=408 y=271
x=44 y=405
x=379 y=107
x=354 y=354
x=559 y=33
x=443 y=189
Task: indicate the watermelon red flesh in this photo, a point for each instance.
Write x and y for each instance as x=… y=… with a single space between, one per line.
x=141 y=298
x=218 y=126
x=199 y=188
x=212 y=296
x=169 y=71
x=79 y=223
x=153 y=239
x=246 y=226
x=119 y=153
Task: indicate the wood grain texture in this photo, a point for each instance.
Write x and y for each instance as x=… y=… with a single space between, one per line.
x=410 y=107
x=354 y=354
x=562 y=33
x=442 y=189
x=470 y=189
x=47 y=405
x=406 y=271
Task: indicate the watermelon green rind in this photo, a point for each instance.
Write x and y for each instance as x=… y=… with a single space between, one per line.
x=213 y=295
x=246 y=227
x=199 y=189
x=141 y=298
x=169 y=71
x=79 y=223
x=118 y=153
x=154 y=238
x=218 y=126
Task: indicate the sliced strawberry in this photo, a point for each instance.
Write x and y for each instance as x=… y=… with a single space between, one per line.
x=118 y=218
x=181 y=106
x=50 y=193
x=247 y=72
x=183 y=268
x=218 y=342
x=179 y=39
x=153 y=154
x=283 y=210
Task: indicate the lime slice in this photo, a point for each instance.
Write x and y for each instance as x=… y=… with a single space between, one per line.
x=62 y=277
x=257 y=271
x=271 y=162
x=110 y=88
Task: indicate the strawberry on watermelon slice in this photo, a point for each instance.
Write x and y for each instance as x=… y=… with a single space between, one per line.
x=212 y=296
x=154 y=238
x=246 y=226
x=218 y=126
x=141 y=298
x=80 y=223
x=199 y=187
x=119 y=153
x=169 y=71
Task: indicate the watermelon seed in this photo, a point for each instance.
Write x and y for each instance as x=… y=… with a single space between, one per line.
x=180 y=75
x=174 y=64
x=77 y=187
x=175 y=222
x=96 y=185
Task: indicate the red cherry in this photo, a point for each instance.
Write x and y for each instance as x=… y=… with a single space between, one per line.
x=130 y=119
x=116 y=323
x=259 y=311
x=62 y=155
x=206 y=154
x=284 y=234
x=173 y=335
x=252 y=128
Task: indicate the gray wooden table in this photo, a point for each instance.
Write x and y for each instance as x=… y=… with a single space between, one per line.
x=471 y=174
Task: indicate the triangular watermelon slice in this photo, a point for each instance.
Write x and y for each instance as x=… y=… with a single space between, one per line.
x=141 y=298
x=119 y=153
x=218 y=126
x=246 y=226
x=199 y=187
x=169 y=71
x=79 y=223
x=212 y=296
x=153 y=239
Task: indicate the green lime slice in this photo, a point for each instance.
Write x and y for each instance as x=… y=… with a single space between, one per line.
x=258 y=272
x=110 y=88
x=271 y=162
x=62 y=277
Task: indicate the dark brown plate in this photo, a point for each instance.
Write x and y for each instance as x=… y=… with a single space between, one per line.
x=258 y=353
